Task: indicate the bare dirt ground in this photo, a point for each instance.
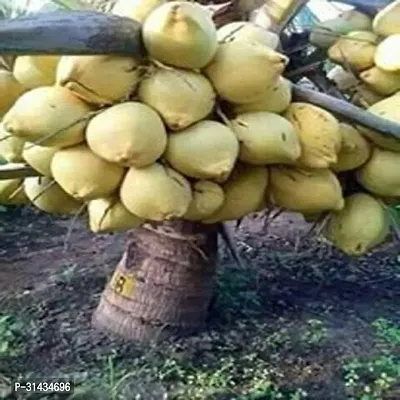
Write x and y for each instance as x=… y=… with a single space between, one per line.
x=301 y=321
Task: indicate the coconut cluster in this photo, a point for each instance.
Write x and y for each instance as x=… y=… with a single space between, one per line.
x=203 y=129
x=367 y=72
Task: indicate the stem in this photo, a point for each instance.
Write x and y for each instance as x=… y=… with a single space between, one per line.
x=347 y=111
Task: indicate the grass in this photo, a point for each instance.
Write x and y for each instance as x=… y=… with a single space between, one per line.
x=11 y=336
x=378 y=377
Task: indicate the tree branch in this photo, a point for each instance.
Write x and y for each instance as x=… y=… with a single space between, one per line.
x=73 y=33
x=14 y=171
x=347 y=111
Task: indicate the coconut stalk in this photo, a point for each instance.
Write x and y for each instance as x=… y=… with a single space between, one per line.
x=12 y=171
x=347 y=111
x=73 y=33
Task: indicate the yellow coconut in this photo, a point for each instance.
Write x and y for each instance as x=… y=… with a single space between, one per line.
x=84 y=175
x=181 y=34
x=325 y=33
x=244 y=192
x=49 y=116
x=363 y=96
x=10 y=147
x=276 y=99
x=266 y=138
x=305 y=190
x=129 y=134
x=110 y=215
x=48 y=196
x=360 y=226
x=318 y=132
x=242 y=72
x=10 y=90
x=35 y=71
x=380 y=81
x=181 y=97
x=355 y=149
x=381 y=175
x=99 y=80
x=8 y=188
x=39 y=157
x=243 y=30
x=387 y=55
x=389 y=109
x=208 y=197
x=387 y=21
x=205 y=150
x=356 y=50
x=344 y=80
x=156 y=193
x=138 y=10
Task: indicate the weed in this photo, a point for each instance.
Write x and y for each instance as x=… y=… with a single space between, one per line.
x=11 y=335
x=387 y=331
x=315 y=333
x=376 y=378
x=371 y=380
x=237 y=293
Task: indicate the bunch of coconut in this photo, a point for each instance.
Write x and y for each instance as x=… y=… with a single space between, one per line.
x=203 y=128
x=368 y=70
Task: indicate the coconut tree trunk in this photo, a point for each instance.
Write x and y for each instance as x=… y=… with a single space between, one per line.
x=163 y=284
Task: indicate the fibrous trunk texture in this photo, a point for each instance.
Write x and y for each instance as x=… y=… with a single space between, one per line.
x=163 y=284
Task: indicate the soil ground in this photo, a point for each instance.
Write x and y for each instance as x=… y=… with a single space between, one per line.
x=302 y=320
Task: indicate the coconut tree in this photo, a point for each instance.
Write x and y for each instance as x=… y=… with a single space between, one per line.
x=164 y=282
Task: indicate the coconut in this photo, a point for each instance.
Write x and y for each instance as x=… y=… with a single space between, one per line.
x=205 y=150
x=389 y=109
x=361 y=225
x=266 y=138
x=10 y=88
x=84 y=175
x=50 y=116
x=355 y=149
x=110 y=215
x=10 y=147
x=181 y=34
x=387 y=56
x=380 y=175
x=242 y=72
x=8 y=188
x=156 y=193
x=99 y=80
x=325 y=33
x=318 y=132
x=344 y=80
x=35 y=71
x=208 y=197
x=244 y=192
x=356 y=50
x=380 y=81
x=129 y=134
x=305 y=190
x=48 y=196
x=387 y=21
x=276 y=99
x=364 y=97
x=138 y=10
x=181 y=97
x=243 y=30
x=39 y=157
